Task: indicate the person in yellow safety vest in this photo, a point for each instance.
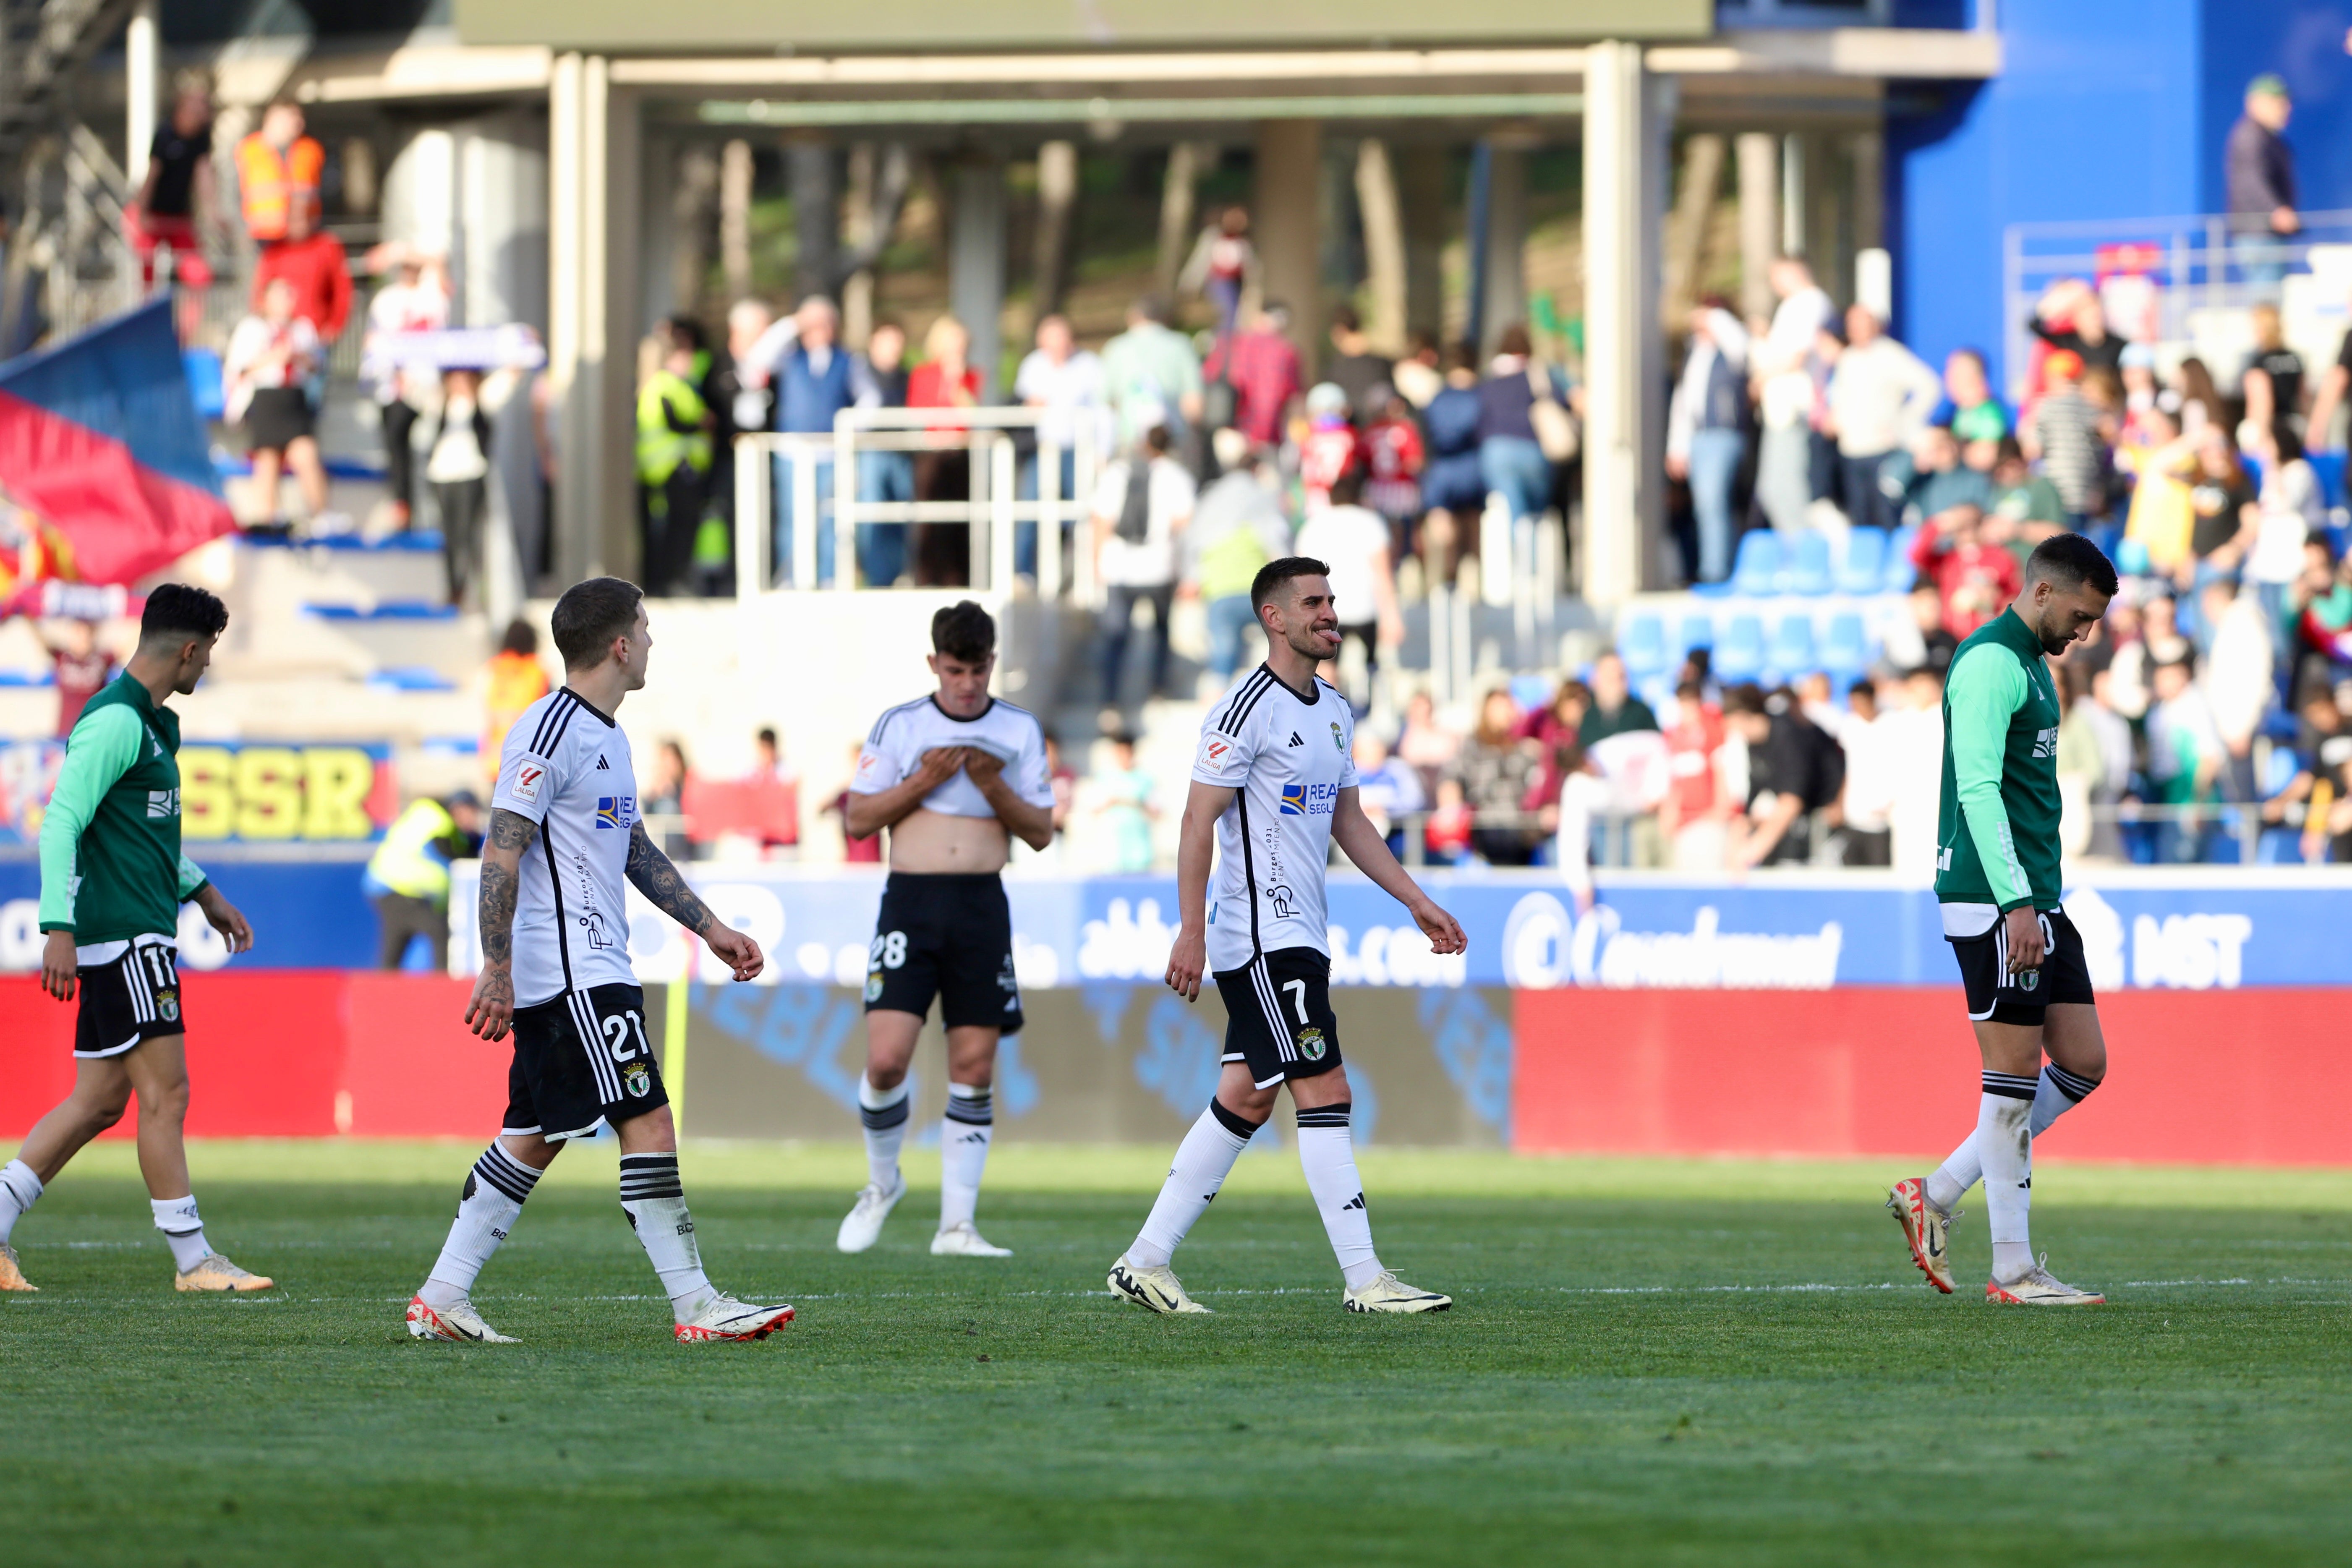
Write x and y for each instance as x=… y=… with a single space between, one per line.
x=277 y=168
x=673 y=458
x=516 y=679
x=407 y=877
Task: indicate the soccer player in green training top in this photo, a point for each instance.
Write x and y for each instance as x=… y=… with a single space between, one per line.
x=112 y=881
x=1997 y=877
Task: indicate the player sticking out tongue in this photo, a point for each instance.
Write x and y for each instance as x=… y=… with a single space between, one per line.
x=1274 y=785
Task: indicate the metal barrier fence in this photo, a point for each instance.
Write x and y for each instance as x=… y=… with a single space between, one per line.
x=824 y=481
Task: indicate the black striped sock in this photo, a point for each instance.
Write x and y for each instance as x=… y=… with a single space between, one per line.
x=498 y=1169
x=1234 y=1123
x=648 y=1176
x=2074 y=1086
x=891 y=1115
x=2009 y=1086
x=1327 y=1116
x=974 y=1108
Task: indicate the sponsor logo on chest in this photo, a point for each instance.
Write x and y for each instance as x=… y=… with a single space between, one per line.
x=617 y=811
x=162 y=802
x=1309 y=799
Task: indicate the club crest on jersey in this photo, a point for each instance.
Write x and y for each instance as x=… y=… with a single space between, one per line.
x=2029 y=979
x=636 y=1080
x=1294 y=800
x=1339 y=744
x=615 y=810
x=528 y=774
x=167 y=1006
x=1310 y=1043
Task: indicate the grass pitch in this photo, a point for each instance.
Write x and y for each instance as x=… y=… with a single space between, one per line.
x=1649 y=1361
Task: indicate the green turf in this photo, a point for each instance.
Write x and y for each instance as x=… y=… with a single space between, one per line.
x=1651 y=1361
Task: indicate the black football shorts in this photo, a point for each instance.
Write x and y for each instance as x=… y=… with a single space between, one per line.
x=948 y=936
x=2003 y=998
x=1278 y=1017
x=130 y=997
x=580 y=1061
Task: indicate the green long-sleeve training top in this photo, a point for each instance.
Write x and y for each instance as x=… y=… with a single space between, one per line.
x=110 y=863
x=1997 y=829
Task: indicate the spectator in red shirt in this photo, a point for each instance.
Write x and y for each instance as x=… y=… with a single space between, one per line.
x=1262 y=367
x=1331 y=447
x=314 y=262
x=82 y=669
x=944 y=379
x=1394 y=455
x=1974 y=579
x=1693 y=814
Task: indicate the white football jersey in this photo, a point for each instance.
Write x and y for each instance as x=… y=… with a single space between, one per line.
x=1287 y=757
x=894 y=750
x=567 y=767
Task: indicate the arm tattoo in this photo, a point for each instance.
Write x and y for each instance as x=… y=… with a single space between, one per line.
x=652 y=874
x=512 y=833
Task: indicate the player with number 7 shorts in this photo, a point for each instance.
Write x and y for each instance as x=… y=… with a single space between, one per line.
x=565 y=845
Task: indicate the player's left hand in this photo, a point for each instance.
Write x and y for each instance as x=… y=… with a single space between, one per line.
x=1444 y=932
x=58 y=966
x=982 y=768
x=736 y=950
x=226 y=919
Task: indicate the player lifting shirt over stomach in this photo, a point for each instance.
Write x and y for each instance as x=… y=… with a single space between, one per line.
x=955 y=777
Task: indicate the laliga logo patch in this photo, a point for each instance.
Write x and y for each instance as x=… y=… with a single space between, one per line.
x=1310 y=1043
x=1216 y=751
x=1294 y=800
x=528 y=774
x=639 y=1082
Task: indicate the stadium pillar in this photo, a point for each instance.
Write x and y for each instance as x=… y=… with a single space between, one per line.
x=1421 y=175
x=1286 y=222
x=1624 y=209
x=976 y=262
x=140 y=40
x=1759 y=155
x=1507 y=237
x=592 y=328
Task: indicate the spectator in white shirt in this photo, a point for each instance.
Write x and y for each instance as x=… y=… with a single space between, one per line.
x=1067 y=383
x=1784 y=486
x=1140 y=506
x=270 y=360
x=416 y=301
x=1880 y=397
x=1866 y=807
x=1352 y=540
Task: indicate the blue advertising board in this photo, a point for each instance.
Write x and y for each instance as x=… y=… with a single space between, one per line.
x=2192 y=928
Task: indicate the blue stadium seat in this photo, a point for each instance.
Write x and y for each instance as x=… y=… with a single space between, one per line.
x=1757 y=569
x=1658 y=691
x=1643 y=645
x=1845 y=650
x=1740 y=652
x=1865 y=561
x=1792 y=653
x=2329 y=468
x=204 y=371
x=1808 y=570
x=1900 y=572
x=1697 y=631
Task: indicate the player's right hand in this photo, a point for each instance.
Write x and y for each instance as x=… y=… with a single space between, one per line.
x=1186 y=961
x=491 y=1008
x=942 y=763
x=2026 y=948
x=59 y=965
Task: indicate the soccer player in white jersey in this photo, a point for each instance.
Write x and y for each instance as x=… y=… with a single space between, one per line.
x=1274 y=785
x=955 y=777
x=564 y=842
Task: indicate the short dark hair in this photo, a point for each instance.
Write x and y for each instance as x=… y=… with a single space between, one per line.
x=2069 y=561
x=182 y=609
x=964 y=631
x=590 y=615
x=766 y=736
x=1271 y=577
x=1348 y=488
x=1345 y=320
x=1746 y=698
x=520 y=637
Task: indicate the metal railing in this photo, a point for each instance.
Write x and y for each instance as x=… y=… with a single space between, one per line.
x=2198 y=262
x=993 y=511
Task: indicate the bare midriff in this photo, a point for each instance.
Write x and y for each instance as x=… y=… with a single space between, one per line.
x=933 y=843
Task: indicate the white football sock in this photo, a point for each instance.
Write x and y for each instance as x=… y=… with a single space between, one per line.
x=655 y=1203
x=1327 y=1152
x=176 y=1218
x=884 y=1111
x=964 y=1136
x=492 y=1201
x=2058 y=1092
x=19 y=1190
x=1203 y=1162
x=2005 y=1143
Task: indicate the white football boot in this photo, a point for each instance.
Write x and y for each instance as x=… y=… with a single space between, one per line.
x=724 y=1318
x=217 y=1273
x=961 y=1240
x=863 y=1228
x=2037 y=1287
x=457 y=1321
x=1154 y=1289
x=1390 y=1294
